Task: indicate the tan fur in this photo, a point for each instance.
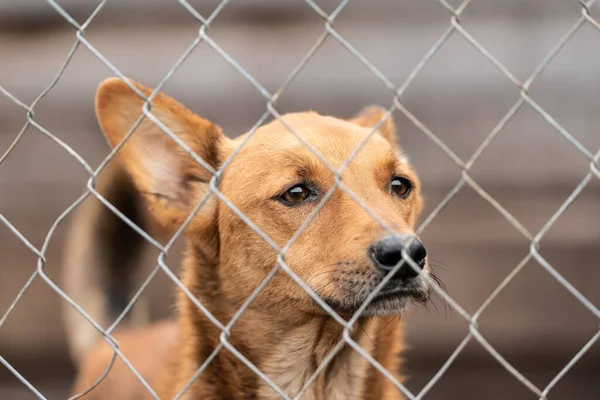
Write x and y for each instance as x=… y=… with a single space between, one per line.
x=283 y=332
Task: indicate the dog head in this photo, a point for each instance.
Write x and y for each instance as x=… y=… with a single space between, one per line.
x=276 y=182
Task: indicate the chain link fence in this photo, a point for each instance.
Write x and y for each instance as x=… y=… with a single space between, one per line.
x=454 y=28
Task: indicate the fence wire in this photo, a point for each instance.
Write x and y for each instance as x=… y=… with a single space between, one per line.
x=395 y=105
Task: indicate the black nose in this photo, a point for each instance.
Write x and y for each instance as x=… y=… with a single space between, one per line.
x=386 y=253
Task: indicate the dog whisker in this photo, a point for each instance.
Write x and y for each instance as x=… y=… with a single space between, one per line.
x=335 y=271
x=438 y=282
x=437 y=264
x=341 y=263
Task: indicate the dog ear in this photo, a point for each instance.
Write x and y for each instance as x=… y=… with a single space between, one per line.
x=370 y=116
x=168 y=176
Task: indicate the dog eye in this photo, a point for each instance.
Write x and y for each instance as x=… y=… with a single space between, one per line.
x=401 y=187
x=295 y=194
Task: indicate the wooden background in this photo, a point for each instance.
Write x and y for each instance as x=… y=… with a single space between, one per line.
x=535 y=323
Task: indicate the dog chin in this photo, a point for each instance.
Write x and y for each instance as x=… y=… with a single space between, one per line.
x=394 y=302
x=389 y=301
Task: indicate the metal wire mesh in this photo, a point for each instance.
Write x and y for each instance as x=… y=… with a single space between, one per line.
x=396 y=105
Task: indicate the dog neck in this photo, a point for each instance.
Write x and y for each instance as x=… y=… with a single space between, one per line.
x=289 y=352
x=297 y=362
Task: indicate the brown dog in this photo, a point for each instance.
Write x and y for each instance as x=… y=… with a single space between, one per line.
x=276 y=182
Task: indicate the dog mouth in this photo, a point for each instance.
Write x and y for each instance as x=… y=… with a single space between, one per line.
x=392 y=299
x=400 y=292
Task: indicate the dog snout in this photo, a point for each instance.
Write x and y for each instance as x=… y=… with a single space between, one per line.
x=386 y=253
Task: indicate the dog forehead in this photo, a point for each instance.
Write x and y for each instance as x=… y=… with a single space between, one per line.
x=311 y=125
x=332 y=138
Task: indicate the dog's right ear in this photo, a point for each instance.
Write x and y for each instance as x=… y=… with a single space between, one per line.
x=170 y=179
x=371 y=116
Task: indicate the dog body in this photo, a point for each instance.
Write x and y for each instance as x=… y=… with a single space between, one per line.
x=276 y=182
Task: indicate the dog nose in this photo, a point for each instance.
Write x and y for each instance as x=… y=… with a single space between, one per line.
x=386 y=253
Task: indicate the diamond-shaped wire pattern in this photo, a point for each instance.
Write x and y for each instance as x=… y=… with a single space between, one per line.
x=395 y=105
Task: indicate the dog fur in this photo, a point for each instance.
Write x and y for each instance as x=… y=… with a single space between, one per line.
x=283 y=332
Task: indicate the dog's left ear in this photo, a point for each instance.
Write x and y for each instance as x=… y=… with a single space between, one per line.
x=370 y=116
